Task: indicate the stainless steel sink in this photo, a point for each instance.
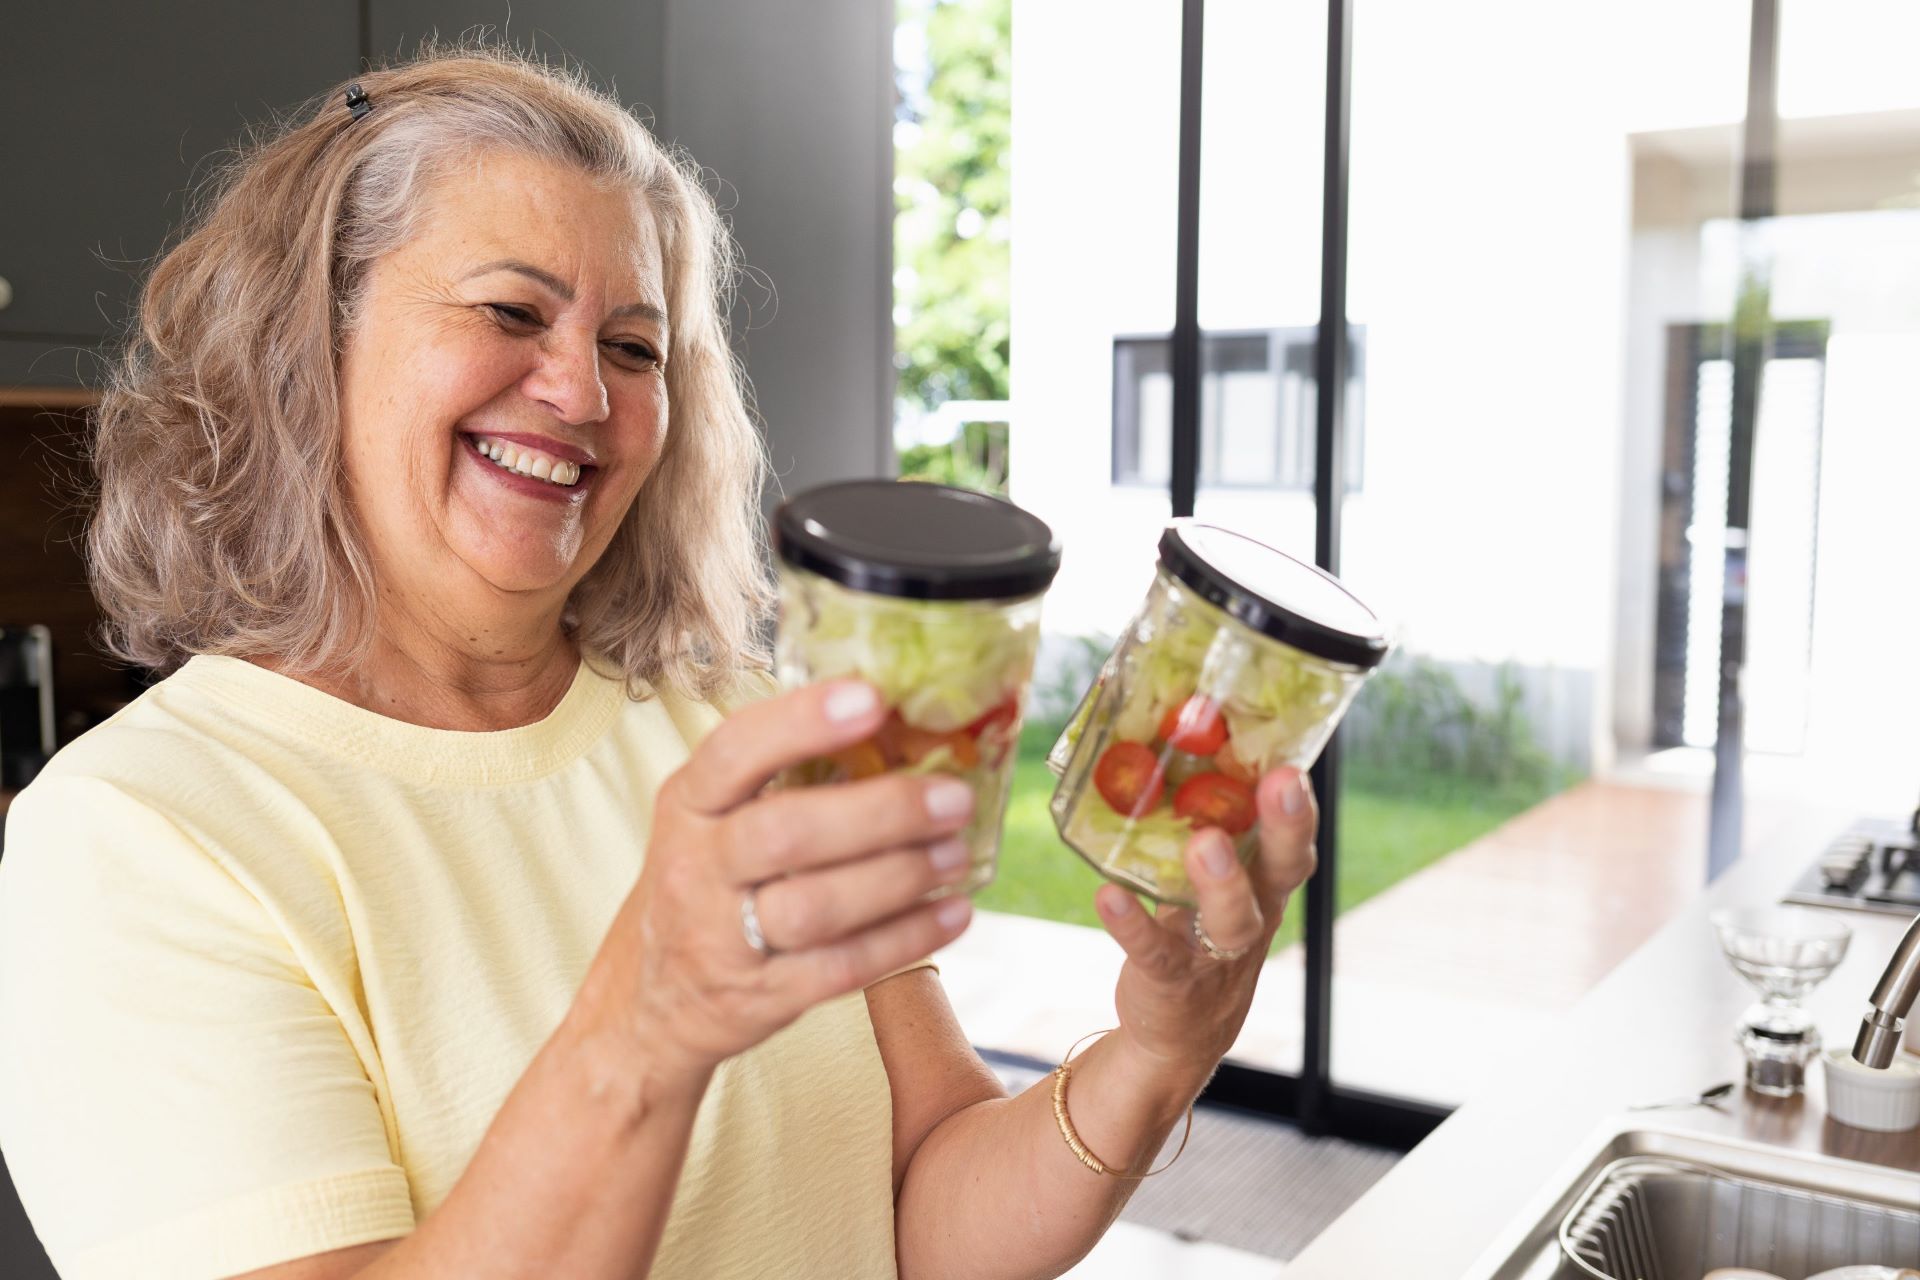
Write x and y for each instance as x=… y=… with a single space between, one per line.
x=1810 y=1206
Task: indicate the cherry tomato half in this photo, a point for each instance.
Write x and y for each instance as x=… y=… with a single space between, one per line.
x=1215 y=800
x=1195 y=726
x=999 y=720
x=1128 y=778
x=995 y=733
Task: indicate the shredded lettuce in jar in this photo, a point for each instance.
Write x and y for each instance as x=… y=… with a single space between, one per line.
x=1153 y=842
x=942 y=664
x=1274 y=700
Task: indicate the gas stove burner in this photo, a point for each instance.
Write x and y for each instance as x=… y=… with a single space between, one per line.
x=1900 y=872
x=1872 y=866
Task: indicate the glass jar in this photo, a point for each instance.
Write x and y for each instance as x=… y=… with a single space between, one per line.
x=1240 y=660
x=932 y=594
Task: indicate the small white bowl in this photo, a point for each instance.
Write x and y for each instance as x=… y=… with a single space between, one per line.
x=1886 y=1100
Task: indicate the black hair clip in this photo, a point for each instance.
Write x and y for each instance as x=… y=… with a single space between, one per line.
x=357 y=101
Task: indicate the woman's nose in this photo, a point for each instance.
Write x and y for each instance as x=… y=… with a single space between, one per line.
x=568 y=380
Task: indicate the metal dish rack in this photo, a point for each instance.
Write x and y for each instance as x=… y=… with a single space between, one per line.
x=1650 y=1218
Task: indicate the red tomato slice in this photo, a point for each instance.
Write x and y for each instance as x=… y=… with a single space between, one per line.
x=999 y=720
x=1128 y=778
x=1215 y=800
x=1195 y=726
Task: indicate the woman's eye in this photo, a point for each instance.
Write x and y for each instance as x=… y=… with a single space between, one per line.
x=513 y=315
x=636 y=352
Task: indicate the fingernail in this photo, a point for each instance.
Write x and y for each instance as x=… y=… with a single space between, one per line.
x=851 y=701
x=953 y=912
x=1294 y=798
x=948 y=855
x=1216 y=855
x=949 y=798
x=1116 y=905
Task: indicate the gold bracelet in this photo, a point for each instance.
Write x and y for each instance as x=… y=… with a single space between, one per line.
x=1061 y=1074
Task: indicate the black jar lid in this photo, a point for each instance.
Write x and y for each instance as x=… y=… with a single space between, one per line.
x=1273 y=593
x=916 y=540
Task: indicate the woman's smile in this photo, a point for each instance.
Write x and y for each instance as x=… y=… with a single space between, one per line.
x=535 y=466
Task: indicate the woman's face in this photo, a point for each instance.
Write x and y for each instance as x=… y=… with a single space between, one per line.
x=503 y=396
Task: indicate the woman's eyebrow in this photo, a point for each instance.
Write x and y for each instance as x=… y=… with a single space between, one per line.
x=560 y=288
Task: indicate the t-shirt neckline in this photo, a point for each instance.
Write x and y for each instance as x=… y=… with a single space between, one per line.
x=415 y=751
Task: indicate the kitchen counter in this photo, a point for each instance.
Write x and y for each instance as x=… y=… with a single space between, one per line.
x=1660 y=1026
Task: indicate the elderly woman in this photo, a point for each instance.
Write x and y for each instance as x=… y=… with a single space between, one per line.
x=398 y=931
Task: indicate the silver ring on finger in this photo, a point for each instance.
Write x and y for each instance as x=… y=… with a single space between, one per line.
x=750 y=922
x=1212 y=948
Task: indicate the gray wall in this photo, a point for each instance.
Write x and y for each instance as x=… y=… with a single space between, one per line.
x=619 y=42
x=790 y=106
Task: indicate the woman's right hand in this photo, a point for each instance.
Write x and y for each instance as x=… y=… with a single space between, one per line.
x=836 y=875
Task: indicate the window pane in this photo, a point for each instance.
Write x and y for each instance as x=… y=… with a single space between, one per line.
x=1260 y=159
x=1093 y=168
x=1526 y=228
x=1249 y=430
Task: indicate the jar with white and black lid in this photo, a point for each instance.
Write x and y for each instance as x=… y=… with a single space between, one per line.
x=932 y=594
x=1240 y=660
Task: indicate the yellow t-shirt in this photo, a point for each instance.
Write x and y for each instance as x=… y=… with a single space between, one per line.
x=270 y=963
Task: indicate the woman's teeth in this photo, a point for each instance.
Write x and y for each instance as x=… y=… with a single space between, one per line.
x=528 y=462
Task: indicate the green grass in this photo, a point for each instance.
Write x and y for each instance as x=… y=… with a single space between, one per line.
x=1390 y=828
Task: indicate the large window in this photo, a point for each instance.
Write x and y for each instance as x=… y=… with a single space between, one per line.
x=1256 y=410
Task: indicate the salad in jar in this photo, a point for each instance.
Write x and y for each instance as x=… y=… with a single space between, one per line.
x=931 y=594
x=1240 y=660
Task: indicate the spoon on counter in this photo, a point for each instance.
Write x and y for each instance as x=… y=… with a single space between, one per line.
x=1706 y=1098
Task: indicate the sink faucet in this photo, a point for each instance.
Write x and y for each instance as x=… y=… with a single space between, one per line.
x=1892 y=1002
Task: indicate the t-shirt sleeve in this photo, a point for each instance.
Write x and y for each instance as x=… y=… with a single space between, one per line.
x=178 y=1101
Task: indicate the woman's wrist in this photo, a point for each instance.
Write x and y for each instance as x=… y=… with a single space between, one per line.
x=609 y=1034
x=1172 y=1081
x=627 y=1084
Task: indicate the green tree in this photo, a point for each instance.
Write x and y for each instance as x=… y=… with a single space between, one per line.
x=951 y=225
x=976 y=459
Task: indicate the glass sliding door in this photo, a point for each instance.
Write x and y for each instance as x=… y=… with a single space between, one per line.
x=1525 y=227
x=1095 y=106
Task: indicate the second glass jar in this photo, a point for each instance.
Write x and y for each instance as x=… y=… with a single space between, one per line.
x=1199 y=699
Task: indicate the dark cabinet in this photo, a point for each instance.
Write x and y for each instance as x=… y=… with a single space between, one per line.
x=112 y=110
x=108 y=113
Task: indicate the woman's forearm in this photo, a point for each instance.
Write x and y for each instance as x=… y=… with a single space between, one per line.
x=574 y=1177
x=994 y=1192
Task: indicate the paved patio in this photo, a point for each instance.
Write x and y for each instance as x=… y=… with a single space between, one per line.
x=1455 y=967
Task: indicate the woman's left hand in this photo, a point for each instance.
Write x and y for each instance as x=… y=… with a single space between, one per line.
x=1180 y=1007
